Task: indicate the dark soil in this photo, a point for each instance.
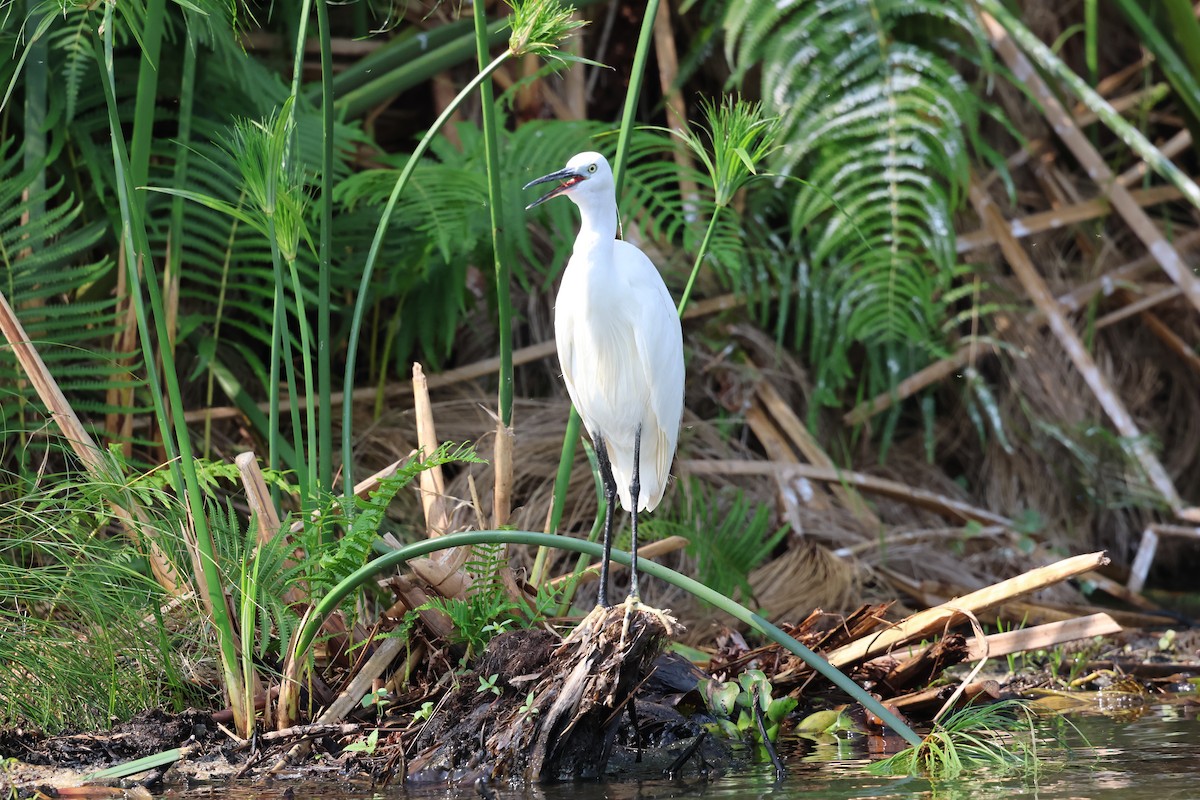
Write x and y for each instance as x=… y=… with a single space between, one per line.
x=146 y=734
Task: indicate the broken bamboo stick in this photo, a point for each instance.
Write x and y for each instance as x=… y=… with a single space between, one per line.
x=936 y=619
x=1041 y=636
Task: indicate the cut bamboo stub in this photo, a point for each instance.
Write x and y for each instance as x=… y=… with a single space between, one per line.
x=938 y=618
x=433 y=485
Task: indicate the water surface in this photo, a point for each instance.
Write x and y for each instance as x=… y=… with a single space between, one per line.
x=1153 y=757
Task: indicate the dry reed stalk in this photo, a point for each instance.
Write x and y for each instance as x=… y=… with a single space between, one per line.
x=920 y=498
x=927 y=699
x=676 y=108
x=807 y=444
x=1171 y=339
x=935 y=620
x=1177 y=144
x=1035 y=286
x=646 y=551
x=124 y=341
x=131 y=515
x=1091 y=160
x=1135 y=307
x=1080 y=296
x=1063 y=216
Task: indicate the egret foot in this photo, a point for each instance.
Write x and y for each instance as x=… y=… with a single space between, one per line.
x=633 y=605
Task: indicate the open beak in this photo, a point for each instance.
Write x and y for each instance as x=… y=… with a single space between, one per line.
x=568 y=177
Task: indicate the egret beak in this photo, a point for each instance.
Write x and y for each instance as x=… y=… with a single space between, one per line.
x=569 y=178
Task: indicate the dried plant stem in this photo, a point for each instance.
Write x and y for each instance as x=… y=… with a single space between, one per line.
x=1067 y=215
x=1073 y=300
x=936 y=619
x=1094 y=163
x=131 y=515
x=920 y=498
x=1035 y=286
x=1041 y=636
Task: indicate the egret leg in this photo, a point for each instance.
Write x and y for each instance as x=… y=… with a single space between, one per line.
x=610 y=500
x=635 y=488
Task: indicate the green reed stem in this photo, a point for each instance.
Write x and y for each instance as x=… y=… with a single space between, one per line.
x=491 y=150
x=324 y=261
x=188 y=487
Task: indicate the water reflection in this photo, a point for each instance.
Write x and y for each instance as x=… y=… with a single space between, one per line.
x=1155 y=757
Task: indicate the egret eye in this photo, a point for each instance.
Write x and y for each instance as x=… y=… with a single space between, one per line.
x=591 y=167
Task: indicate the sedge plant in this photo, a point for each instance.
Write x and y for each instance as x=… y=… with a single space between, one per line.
x=998 y=737
x=152 y=327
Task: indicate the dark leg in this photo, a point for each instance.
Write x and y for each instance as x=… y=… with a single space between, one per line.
x=634 y=488
x=610 y=501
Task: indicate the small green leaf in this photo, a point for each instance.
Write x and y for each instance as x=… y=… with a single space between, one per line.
x=820 y=721
x=780 y=707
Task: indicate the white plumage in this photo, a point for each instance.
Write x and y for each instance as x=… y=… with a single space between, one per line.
x=619 y=340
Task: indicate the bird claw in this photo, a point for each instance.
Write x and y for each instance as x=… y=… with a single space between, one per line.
x=633 y=605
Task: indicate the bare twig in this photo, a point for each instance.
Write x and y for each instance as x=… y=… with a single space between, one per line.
x=947 y=506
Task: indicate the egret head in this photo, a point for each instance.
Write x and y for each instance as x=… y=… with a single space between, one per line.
x=586 y=175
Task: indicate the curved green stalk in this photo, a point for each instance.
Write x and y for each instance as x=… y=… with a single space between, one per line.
x=366 y=574
x=360 y=302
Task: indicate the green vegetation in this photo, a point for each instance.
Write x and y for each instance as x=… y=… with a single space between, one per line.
x=210 y=245
x=997 y=737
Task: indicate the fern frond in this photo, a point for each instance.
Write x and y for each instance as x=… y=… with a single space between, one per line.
x=874 y=127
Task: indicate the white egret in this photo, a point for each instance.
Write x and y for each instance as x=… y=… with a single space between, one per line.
x=620 y=346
